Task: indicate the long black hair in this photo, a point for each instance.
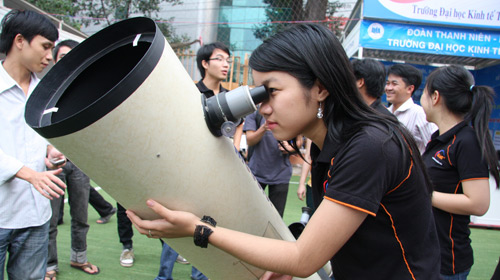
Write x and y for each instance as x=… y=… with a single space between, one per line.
x=310 y=53
x=473 y=102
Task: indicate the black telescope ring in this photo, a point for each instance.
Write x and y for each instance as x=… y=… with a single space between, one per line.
x=95 y=77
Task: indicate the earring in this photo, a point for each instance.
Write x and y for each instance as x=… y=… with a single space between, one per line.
x=319 y=115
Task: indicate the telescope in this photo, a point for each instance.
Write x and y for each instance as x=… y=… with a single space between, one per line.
x=121 y=107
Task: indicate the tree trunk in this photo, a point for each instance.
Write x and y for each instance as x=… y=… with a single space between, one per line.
x=315 y=10
x=297 y=11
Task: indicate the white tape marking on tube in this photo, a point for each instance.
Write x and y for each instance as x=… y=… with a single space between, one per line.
x=137 y=37
x=51 y=110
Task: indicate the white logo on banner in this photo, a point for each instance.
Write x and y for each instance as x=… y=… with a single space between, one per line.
x=375 y=31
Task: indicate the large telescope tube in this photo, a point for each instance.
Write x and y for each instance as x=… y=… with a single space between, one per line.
x=122 y=107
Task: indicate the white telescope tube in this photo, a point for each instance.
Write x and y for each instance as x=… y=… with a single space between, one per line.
x=122 y=107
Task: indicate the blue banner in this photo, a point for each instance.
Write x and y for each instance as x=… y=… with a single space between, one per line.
x=430 y=40
x=483 y=13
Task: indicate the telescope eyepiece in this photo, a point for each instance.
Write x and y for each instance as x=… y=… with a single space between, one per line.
x=229 y=107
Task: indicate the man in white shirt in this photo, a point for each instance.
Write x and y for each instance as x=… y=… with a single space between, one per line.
x=402 y=81
x=27 y=39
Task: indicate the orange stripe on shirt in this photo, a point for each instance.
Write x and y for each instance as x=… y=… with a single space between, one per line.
x=448 y=149
x=452 y=245
x=351 y=206
x=456 y=188
x=331 y=164
x=409 y=170
x=399 y=241
x=451 y=221
x=451 y=227
x=472 y=179
x=450 y=235
x=408 y=176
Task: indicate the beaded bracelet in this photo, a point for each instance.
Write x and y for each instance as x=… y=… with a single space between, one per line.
x=201 y=234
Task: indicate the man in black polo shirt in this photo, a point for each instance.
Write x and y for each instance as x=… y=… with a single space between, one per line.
x=214 y=62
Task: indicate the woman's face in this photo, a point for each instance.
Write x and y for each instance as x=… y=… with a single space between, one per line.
x=426 y=102
x=291 y=109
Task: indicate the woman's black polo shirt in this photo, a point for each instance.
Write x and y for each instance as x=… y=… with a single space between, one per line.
x=398 y=238
x=452 y=158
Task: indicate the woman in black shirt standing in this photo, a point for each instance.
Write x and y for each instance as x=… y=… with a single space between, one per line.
x=374 y=218
x=459 y=158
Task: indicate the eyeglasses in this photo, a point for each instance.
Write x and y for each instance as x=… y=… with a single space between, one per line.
x=220 y=59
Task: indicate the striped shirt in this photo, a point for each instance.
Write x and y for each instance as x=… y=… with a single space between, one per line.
x=412 y=116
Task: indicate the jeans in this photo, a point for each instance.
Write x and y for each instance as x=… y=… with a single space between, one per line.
x=78 y=187
x=277 y=195
x=197 y=275
x=27 y=249
x=457 y=276
x=102 y=207
x=167 y=261
x=99 y=203
x=125 y=231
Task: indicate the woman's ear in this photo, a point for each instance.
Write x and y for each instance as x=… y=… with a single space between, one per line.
x=321 y=91
x=435 y=97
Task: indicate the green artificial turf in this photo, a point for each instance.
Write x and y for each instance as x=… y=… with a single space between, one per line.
x=104 y=248
x=486 y=245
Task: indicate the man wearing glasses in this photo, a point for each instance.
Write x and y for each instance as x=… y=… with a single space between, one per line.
x=213 y=62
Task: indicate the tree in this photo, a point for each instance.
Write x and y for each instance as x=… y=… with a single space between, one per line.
x=113 y=10
x=64 y=10
x=181 y=42
x=335 y=23
x=282 y=13
x=79 y=13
